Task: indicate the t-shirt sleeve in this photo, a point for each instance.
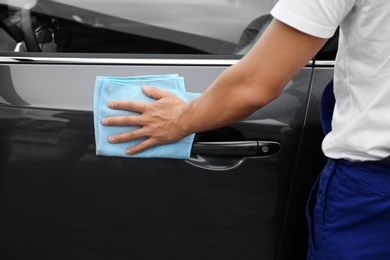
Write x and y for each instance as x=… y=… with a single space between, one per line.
x=318 y=18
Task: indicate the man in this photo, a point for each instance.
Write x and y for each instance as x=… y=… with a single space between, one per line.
x=349 y=208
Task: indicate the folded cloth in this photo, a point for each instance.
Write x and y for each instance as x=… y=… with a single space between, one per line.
x=130 y=88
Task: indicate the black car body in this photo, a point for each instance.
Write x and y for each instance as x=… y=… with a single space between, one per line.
x=241 y=195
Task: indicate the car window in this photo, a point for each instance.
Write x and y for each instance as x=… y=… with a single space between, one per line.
x=218 y=27
x=132 y=26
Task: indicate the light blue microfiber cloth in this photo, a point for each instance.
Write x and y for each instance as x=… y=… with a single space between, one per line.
x=130 y=88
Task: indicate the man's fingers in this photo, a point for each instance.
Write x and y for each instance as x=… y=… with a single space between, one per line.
x=155 y=93
x=127 y=136
x=122 y=121
x=133 y=135
x=128 y=105
x=140 y=147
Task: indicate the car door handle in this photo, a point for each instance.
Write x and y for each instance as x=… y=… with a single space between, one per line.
x=237 y=148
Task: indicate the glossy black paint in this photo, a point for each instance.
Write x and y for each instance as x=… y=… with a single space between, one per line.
x=59 y=200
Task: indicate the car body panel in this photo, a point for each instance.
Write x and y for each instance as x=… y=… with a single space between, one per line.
x=162 y=203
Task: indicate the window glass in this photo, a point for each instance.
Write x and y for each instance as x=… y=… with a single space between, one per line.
x=131 y=26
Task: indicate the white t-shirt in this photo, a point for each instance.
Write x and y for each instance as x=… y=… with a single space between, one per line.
x=361 y=119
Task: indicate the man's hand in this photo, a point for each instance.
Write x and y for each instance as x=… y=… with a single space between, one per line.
x=159 y=121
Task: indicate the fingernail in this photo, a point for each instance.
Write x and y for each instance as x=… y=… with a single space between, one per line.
x=110 y=104
x=128 y=152
x=104 y=121
x=111 y=139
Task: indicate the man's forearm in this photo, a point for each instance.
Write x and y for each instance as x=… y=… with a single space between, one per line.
x=257 y=79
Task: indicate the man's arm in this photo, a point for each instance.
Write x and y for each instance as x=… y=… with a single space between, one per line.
x=257 y=79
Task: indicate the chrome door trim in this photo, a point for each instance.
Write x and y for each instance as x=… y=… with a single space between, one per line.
x=116 y=61
x=131 y=61
x=325 y=63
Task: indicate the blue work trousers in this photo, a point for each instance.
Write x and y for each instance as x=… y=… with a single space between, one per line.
x=349 y=211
